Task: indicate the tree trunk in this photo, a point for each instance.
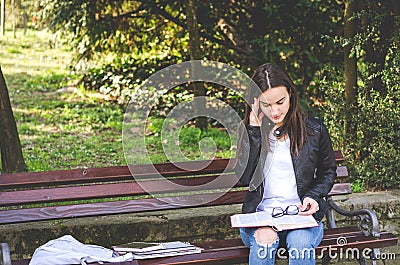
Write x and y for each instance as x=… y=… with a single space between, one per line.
x=199 y=89
x=13 y=18
x=350 y=70
x=2 y=17
x=10 y=145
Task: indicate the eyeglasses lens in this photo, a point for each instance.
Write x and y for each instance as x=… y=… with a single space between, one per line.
x=277 y=212
x=292 y=210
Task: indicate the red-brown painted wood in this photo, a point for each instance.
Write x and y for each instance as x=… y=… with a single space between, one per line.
x=119 y=189
x=116 y=173
x=120 y=207
x=57 y=177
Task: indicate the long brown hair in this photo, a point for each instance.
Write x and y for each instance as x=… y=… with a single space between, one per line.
x=268 y=76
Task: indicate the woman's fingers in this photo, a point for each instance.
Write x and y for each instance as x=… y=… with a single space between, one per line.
x=261 y=116
x=255 y=118
x=309 y=206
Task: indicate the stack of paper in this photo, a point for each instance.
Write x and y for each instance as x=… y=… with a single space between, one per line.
x=144 y=250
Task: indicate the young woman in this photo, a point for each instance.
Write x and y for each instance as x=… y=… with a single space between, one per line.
x=288 y=163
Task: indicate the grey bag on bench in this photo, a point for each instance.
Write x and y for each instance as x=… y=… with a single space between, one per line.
x=66 y=250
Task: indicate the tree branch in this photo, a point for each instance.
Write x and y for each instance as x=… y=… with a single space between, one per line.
x=158 y=10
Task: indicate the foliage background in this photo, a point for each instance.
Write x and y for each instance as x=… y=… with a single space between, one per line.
x=116 y=45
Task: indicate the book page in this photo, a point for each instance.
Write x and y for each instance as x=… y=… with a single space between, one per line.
x=252 y=219
x=294 y=221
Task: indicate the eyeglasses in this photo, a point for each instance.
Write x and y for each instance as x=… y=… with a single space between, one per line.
x=290 y=210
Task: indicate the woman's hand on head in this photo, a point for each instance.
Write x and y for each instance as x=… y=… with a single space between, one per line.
x=256 y=116
x=309 y=206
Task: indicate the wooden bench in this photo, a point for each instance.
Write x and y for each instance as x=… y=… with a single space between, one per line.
x=23 y=195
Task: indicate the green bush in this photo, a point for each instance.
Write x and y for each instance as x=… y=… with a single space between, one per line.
x=119 y=78
x=372 y=158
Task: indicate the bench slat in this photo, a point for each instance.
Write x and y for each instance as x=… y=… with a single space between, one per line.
x=349 y=231
x=339 y=156
x=123 y=173
x=122 y=189
x=115 y=173
x=340 y=230
x=125 y=188
x=117 y=189
x=340 y=189
x=353 y=236
x=342 y=172
x=120 y=207
x=64 y=176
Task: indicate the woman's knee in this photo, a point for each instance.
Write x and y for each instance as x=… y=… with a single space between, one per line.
x=263 y=248
x=265 y=236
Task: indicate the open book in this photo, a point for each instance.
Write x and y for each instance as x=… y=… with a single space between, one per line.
x=285 y=222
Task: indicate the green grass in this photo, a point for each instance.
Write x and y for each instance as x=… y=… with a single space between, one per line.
x=191 y=143
x=79 y=129
x=57 y=130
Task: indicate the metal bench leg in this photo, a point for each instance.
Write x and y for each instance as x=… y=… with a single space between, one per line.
x=374 y=255
x=330 y=223
x=374 y=261
x=362 y=261
x=368 y=225
x=330 y=218
x=5 y=258
x=326 y=260
x=369 y=221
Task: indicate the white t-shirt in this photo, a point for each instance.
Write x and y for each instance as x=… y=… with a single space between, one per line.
x=280 y=188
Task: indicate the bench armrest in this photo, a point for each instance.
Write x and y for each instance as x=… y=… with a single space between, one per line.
x=5 y=258
x=369 y=221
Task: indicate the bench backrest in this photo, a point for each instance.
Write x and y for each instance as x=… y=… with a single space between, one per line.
x=61 y=194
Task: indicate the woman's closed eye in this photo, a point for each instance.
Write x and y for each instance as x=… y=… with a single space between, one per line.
x=281 y=101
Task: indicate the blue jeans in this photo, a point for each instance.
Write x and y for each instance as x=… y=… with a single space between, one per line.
x=300 y=246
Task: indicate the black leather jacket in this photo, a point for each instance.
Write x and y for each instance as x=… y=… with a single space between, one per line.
x=314 y=168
